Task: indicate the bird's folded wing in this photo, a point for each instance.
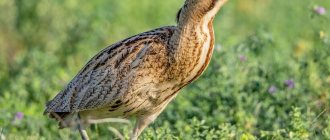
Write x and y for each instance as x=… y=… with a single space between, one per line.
x=104 y=77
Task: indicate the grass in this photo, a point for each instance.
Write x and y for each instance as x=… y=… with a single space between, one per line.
x=259 y=44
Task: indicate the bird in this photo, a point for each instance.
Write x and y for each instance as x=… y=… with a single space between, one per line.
x=138 y=76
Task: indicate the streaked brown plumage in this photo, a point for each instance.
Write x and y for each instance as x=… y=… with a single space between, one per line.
x=139 y=76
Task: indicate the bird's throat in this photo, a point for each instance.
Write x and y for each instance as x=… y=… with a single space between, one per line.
x=194 y=50
x=206 y=51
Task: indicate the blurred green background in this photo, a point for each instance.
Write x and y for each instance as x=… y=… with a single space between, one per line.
x=269 y=77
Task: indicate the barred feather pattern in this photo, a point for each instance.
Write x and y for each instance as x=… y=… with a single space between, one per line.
x=110 y=76
x=140 y=75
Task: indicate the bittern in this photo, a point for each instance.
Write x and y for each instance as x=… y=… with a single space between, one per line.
x=138 y=77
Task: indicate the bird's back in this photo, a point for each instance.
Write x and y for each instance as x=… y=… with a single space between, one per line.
x=120 y=79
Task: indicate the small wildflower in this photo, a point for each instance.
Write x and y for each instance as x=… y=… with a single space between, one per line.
x=19 y=116
x=322 y=34
x=242 y=58
x=302 y=47
x=290 y=83
x=320 y=10
x=272 y=89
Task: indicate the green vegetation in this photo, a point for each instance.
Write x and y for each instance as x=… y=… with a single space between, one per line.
x=269 y=77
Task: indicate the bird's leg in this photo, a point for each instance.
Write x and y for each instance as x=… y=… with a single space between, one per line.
x=141 y=123
x=82 y=130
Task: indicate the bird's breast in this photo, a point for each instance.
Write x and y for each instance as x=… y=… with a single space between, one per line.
x=204 y=57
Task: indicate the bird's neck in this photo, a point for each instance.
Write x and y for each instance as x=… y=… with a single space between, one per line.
x=192 y=47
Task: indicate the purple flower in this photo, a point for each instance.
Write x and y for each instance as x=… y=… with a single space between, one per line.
x=290 y=83
x=320 y=10
x=19 y=116
x=272 y=89
x=242 y=58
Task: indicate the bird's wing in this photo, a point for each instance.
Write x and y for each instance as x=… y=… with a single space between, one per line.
x=102 y=78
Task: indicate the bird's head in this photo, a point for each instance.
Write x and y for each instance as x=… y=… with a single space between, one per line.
x=198 y=9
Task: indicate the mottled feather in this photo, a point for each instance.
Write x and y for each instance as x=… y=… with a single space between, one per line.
x=140 y=75
x=104 y=78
